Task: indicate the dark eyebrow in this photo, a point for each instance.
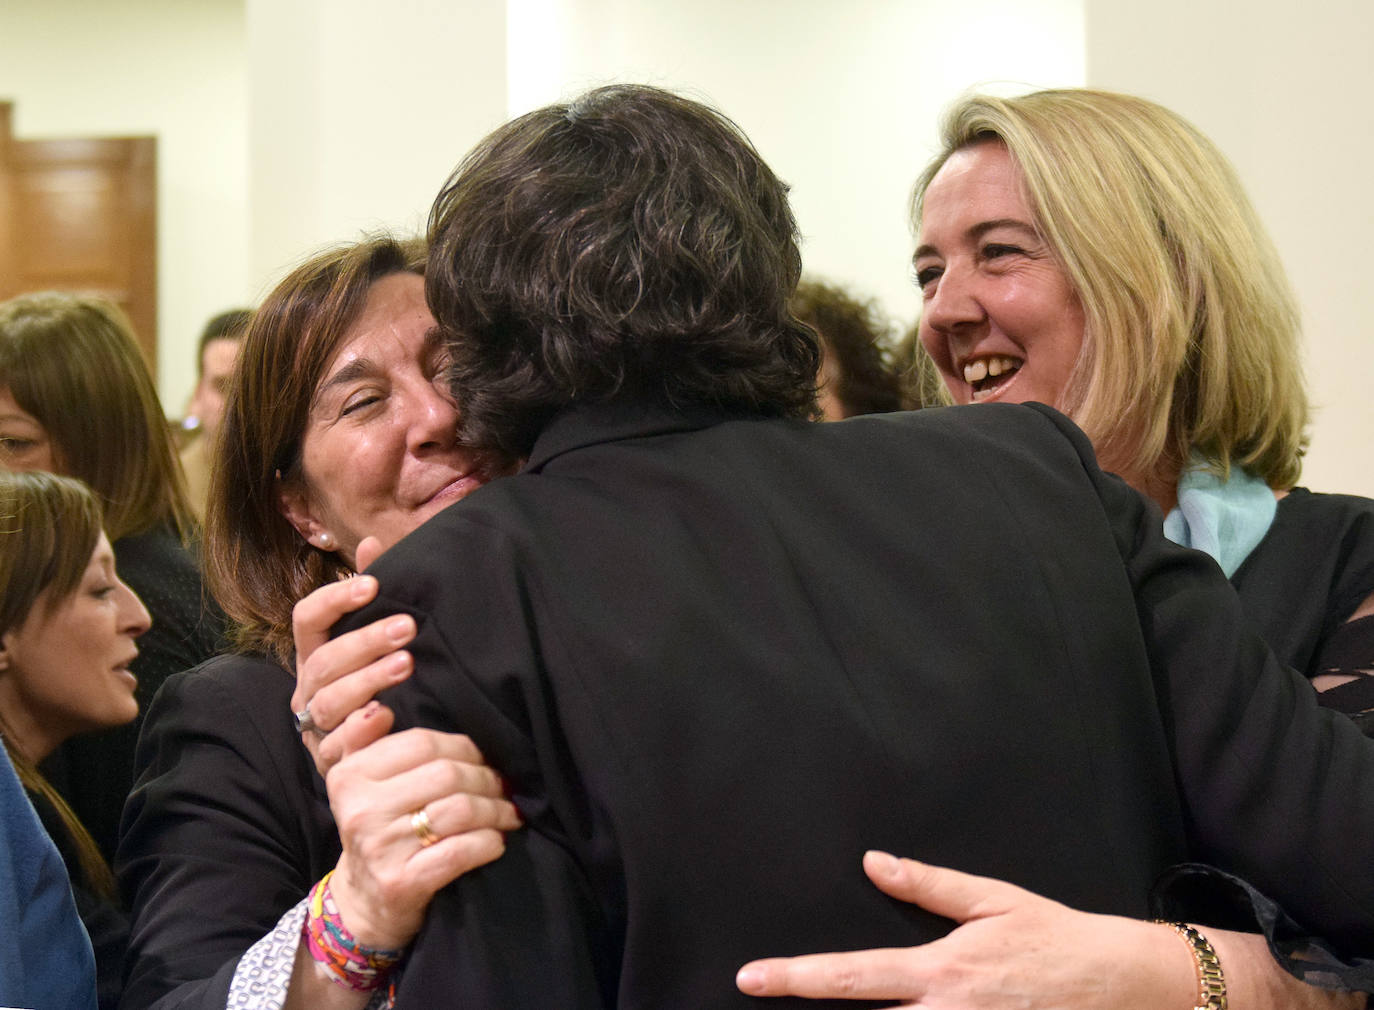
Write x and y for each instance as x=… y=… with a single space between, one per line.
x=979 y=230
x=354 y=370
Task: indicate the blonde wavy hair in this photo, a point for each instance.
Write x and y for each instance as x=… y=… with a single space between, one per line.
x=1192 y=330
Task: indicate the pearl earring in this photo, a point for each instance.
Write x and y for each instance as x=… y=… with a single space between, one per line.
x=325 y=542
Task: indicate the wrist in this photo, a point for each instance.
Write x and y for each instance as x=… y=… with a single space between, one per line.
x=1210 y=980
x=365 y=917
x=337 y=953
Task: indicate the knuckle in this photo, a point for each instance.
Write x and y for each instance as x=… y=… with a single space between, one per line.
x=464 y=811
x=843 y=980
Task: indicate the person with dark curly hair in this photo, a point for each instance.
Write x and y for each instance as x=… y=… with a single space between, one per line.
x=718 y=651
x=856 y=375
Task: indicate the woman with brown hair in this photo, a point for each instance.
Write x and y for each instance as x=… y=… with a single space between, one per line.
x=67 y=631
x=248 y=875
x=76 y=399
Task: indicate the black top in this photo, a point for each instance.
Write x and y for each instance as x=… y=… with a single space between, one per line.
x=94 y=772
x=718 y=661
x=226 y=829
x=1302 y=583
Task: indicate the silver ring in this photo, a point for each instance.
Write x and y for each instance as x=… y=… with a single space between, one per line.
x=305 y=722
x=419 y=823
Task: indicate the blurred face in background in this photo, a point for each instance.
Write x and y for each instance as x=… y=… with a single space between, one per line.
x=216 y=368
x=24 y=443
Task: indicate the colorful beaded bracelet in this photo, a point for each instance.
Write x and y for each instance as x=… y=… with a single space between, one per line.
x=347 y=962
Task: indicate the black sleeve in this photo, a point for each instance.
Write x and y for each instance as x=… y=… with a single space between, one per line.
x=1276 y=790
x=526 y=930
x=225 y=830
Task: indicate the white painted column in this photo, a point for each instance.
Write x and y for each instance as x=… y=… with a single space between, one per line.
x=358 y=111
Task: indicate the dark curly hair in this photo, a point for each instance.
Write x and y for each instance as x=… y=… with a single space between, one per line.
x=856 y=335
x=631 y=243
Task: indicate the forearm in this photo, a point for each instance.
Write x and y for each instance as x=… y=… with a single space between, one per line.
x=1255 y=981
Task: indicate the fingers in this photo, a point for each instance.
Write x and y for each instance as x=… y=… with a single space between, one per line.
x=352 y=680
x=451 y=857
x=465 y=813
x=340 y=676
x=412 y=788
x=410 y=749
x=369 y=550
x=313 y=616
x=363 y=726
x=950 y=893
x=862 y=974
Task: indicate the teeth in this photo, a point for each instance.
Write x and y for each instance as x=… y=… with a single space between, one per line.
x=982 y=368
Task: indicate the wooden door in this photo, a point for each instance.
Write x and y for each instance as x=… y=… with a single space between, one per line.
x=80 y=214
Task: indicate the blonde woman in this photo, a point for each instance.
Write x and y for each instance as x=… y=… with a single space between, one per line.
x=1095 y=252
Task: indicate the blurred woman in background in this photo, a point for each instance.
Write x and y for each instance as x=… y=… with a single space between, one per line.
x=76 y=399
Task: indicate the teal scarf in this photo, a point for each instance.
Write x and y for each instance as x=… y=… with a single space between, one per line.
x=1224 y=518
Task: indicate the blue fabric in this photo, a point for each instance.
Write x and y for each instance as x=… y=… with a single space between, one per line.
x=1224 y=518
x=45 y=955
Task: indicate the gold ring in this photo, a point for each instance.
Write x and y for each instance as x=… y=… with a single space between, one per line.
x=419 y=823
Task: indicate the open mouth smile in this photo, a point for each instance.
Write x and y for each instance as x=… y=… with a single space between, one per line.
x=986 y=376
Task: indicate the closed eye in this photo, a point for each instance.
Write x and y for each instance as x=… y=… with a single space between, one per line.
x=357 y=403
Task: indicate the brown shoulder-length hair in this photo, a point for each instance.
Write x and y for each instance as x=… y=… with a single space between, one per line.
x=856 y=335
x=72 y=362
x=49 y=526
x=1191 y=336
x=631 y=242
x=256 y=564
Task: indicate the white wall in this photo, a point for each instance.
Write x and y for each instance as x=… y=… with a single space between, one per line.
x=841 y=99
x=164 y=67
x=358 y=112
x=1285 y=92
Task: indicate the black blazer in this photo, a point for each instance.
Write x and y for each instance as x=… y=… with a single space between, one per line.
x=720 y=659
x=226 y=829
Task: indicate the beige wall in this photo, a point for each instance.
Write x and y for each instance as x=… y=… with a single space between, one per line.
x=1285 y=92
x=170 y=68
x=358 y=111
x=288 y=124
x=841 y=98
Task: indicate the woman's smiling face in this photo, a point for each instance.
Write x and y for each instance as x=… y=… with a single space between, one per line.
x=380 y=452
x=1000 y=319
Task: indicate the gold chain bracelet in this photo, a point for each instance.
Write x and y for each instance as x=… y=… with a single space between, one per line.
x=1211 y=980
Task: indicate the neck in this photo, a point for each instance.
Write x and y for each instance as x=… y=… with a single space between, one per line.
x=22 y=729
x=1161 y=487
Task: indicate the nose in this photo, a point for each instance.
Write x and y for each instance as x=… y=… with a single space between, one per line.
x=433 y=417
x=954 y=305
x=133 y=615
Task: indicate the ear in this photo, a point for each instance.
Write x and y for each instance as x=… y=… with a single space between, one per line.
x=294 y=504
x=5 y=659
